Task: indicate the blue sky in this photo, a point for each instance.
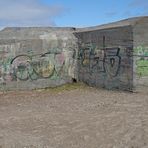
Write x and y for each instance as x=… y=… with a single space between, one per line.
x=76 y=13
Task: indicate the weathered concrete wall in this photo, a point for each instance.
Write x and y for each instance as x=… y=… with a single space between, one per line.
x=112 y=56
x=140 y=32
x=105 y=57
x=33 y=58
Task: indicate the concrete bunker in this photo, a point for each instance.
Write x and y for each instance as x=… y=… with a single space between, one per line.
x=32 y=58
x=115 y=55
x=112 y=56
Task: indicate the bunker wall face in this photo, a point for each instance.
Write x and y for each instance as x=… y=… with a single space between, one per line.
x=105 y=58
x=31 y=62
x=141 y=54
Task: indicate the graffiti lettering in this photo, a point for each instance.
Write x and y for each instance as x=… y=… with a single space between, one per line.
x=49 y=65
x=106 y=60
x=43 y=66
x=142 y=60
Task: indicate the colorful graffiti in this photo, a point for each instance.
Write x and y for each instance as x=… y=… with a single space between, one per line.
x=5 y=60
x=104 y=60
x=24 y=67
x=49 y=65
x=142 y=60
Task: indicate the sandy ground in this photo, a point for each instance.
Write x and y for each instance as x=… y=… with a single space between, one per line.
x=76 y=118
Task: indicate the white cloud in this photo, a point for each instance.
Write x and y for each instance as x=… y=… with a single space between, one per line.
x=111 y=14
x=136 y=8
x=28 y=13
x=139 y=3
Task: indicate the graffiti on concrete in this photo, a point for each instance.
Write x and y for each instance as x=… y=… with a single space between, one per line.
x=112 y=61
x=104 y=60
x=26 y=67
x=5 y=60
x=49 y=65
x=142 y=60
